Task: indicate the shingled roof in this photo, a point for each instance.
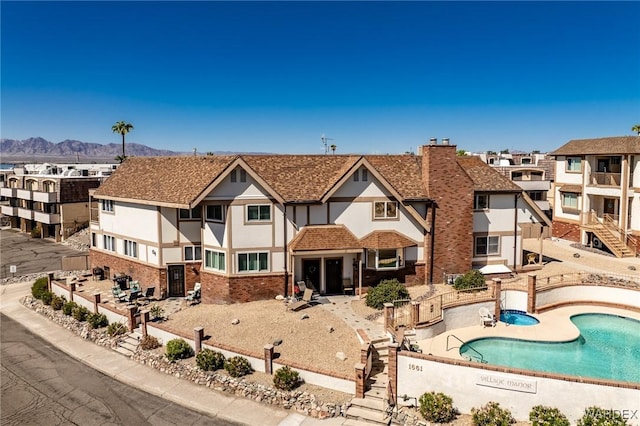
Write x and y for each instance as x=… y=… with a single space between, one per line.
x=172 y=181
x=402 y=172
x=607 y=146
x=325 y=237
x=484 y=177
x=386 y=239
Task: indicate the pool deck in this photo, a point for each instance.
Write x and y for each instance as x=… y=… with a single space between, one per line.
x=555 y=326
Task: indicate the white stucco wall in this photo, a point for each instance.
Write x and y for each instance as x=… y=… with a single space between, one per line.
x=471 y=387
x=253 y=235
x=620 y=296
x=562 y=176
x=512 y=299
x=189 y=231
x=135 y=221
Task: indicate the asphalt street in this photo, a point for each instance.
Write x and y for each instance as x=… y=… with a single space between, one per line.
x=43 y=385
x=30 y=255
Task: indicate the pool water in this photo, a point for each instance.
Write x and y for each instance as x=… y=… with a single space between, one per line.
x=514 y=317
x=608 y=348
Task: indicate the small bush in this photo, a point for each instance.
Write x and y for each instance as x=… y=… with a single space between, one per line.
x=149 y=342
x=471 y=280
x=57 y=302
x=97 y=320
x=39 y=287
x=595 y=416
x=210 y=360
x=47 y=297
x=547 y=416
x=491 y=414
x=36 y=233
x=156 y=312
x=386 y=292
x=68 y=307
x=116 y=329
x=286 y=379
x=238 y=366
x=178 y=349
x=437 y=407
x=80 y=313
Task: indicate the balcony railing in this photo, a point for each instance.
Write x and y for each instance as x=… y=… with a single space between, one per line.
x=25 y=213
x=9 y=210
x=24 y=194
x=8 y=192
x=48 y=218
x=45 y=197
x=605 y=179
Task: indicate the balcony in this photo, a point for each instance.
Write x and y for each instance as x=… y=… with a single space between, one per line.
x=47 y=218
x=605 y=179
x=25 y=213
x=9 y=192
x=24 y=194
x=9 y=210
x=45 y=197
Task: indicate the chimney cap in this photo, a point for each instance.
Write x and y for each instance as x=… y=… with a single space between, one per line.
x=445 y=141
x=433 y=141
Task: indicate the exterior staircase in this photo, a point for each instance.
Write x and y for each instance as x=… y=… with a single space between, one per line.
x=611 y=240
x=128 y=345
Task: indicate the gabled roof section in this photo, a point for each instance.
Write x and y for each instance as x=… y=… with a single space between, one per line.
x=403 y=173
x=606 y=146
x=324 y=237
x=164 y=181
x=484 y=177
x=386 y=239
x=300 y=178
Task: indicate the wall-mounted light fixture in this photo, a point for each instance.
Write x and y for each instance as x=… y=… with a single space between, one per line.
x=153 y=252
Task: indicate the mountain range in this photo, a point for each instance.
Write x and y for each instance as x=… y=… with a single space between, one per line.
x=34 y=149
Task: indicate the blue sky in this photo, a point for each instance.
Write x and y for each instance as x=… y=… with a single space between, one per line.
x=376 y=77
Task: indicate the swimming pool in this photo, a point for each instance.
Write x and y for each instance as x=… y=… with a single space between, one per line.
x=608 y=348
x=514 y=317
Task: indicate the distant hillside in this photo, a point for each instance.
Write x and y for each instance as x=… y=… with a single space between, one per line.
x=38 y=149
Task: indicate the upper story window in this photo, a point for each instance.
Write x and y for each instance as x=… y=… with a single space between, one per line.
x=481 y=202
x=31 y=185
x=525 y=160
x=215 y=260
x=109 y=242
x=215 y=212
x=361 y=174
x=385 y=209
x=13 y=183
x=192 y=253
x=243 y=175
x=537 y=195
x=259 y=213
x=234 y=175
x=253 y=262
x=570 y=200
x=573 y=164
x=106 y=205
x=194 y=213
x=488 y=245
x=516 y=175
x=365 y=175
x=49 y=186
x=130 y=248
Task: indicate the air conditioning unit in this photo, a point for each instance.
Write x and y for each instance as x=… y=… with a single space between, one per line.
x=597 y=243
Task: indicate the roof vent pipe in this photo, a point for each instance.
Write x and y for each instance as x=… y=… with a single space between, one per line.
x=433 y=141
x=445 y=141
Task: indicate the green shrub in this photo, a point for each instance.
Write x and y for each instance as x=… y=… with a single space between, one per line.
x=210 y=360
x=491 y=414
x=470 y=280
x=47 y=297
x=36 y=233
x=57 y=302
x=116 y=329
x=286 y=379
x=80 y=313
x=238 y=366
x=437 y=407
x=40 y=286
x=595 y=416
x=547 y=416
x=386 y=292
x=156 y=312
x=68 y=307
x=178 y=349
x=149 y=342
x=97 y=320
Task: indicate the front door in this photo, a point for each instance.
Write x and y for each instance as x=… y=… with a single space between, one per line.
x=333 y=275
x=311 y=272
x=610 y=207
x=176 y=280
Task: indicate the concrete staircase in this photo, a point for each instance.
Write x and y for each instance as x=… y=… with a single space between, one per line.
x=128 y=345
x=611 y=240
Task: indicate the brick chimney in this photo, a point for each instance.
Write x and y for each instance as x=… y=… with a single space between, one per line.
x=452 y=190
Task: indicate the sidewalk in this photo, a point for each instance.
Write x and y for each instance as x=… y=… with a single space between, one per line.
x=183 y=392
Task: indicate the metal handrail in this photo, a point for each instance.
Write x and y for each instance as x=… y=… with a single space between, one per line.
x=482 y=361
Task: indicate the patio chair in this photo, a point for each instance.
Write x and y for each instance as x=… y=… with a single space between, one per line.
x=118 y=294
x=193 y=296
x=304 y=303
x=147 y=293
x=347 y=286
x=303 y=287
x=486 y=318
x=134 y=290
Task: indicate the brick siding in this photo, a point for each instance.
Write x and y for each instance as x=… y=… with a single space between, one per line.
x=221 y=289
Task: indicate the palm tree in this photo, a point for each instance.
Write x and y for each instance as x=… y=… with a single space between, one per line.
x=636 y=129
x=122 y=128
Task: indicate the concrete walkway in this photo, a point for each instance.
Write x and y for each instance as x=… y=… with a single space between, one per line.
x=340 y=306
x=180 y=391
